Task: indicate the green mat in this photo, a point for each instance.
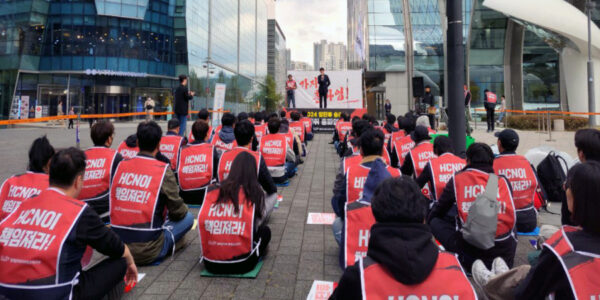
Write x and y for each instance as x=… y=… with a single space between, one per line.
x=470 y=140
x=251 y=274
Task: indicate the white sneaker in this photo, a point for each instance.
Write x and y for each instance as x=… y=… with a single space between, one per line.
x=499 y=266
x=481 y=274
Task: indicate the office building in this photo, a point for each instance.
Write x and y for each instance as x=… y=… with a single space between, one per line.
x=277 y=57
x=331 y=56
x=108 y=56
x=301 y=66
x=517 y=56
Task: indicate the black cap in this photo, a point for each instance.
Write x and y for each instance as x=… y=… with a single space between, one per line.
x=420 y=134
x=508 y=138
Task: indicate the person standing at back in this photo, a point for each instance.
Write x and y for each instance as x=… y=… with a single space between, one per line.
x=182 y=99
x=489 y=103
x=290 y=88
x=388 y=107
x=324 y=84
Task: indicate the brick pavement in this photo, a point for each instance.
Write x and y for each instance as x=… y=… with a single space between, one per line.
x=298 y=253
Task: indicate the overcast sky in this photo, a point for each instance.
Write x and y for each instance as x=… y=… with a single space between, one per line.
x=304 y=22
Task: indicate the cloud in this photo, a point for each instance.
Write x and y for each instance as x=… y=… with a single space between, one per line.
x=307 y=21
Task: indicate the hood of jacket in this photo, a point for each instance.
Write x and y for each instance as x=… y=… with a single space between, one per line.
x=226 y=134
x=405 y=250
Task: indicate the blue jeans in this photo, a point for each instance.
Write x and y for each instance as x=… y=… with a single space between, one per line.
x=291 y=100
x=177 y=230
x=182 y=124
x=337 y=227
x=290 y=169
x=309 y=136
x=501 y=117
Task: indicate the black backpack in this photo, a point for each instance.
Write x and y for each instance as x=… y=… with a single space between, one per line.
x=552 y=177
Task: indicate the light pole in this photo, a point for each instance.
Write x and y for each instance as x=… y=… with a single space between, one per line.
x=456 y=71
x=590 y=67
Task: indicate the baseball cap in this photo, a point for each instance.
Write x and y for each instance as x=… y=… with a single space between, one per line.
x=420 y=134
x=508 y=137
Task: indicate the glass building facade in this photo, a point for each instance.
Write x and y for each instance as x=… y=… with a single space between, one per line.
x=108 y=56
x=386 y=39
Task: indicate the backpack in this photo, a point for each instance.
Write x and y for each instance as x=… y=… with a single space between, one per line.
x=482 y=221
x=552 y=176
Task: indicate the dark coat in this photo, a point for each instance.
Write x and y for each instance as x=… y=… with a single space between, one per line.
x=324 y=83
x=182 y=97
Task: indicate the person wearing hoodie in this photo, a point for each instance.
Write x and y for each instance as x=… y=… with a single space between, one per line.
x=225 y=140
x=402 y=258
x=389 y=128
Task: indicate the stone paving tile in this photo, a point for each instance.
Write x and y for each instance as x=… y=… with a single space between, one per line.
x=298 y=253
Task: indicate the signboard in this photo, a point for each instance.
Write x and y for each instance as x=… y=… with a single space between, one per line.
x=324 y=119
x=218 y=103
x=24 y=107
x=38 y=111
x=321 y=290
x=320 y=218
x=19 y=108
x=345 y=90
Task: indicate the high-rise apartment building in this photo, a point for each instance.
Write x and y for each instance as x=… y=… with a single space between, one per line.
x=331 y=56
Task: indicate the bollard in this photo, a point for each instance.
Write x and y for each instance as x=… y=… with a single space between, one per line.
x=77 y=130
x=539 y=125
x=549 y=129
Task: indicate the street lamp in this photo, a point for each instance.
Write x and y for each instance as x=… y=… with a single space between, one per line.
x=590 y=67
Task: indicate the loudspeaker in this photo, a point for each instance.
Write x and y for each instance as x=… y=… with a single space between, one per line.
x=418 y=87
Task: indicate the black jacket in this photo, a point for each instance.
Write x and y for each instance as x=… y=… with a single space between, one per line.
x=428 y=99
x=182 y=97
x=405 y=250
x=324 y=83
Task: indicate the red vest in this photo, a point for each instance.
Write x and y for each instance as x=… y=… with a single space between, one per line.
x=491 y=98
x=170 y=145
x=225 y=234
x=195 y=168
x=307 y=124
x=126 y=151
x=582 y=268
x=98 y=168
x=386 y=156
x=469 y=184
x=403 y=147
x=32 y=241
x=227 y=159
x=521 y=177
x=298 y=128
x=442 y=169
x=260 y=131
x=134 y=195
x=356 y=178
x=350 y=161
x=273 y=149
x=420 y=155
x=222 y=146
x=396 y=136
x=289 y=138
x=217 y=130
x=18 y=188
x=358 y=221
x=446 y=281
x=386 y=134
x=342 y=129
x=431 y=131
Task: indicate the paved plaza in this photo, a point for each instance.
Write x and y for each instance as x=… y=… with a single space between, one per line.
x=298 y=253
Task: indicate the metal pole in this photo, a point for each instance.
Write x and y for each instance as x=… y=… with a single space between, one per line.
x=590 y=68
x=549 y=124
x=456 y=66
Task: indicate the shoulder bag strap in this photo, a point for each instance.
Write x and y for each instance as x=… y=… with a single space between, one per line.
x=491 y=189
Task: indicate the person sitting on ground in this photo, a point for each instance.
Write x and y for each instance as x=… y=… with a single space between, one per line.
x=396 y=136
x=295 y=142
x=348 y=188
x=171 y=143
x=569 y=263
x=225 y=139
x=342 y=128
x=72 y=225
x=239 y=200
x=203 y=115
x=402 y=259
x=587 y=142
x=297 y=126
x=522 y=177
x=101 y=164
x=128 y=148
x=245 y=116
x=420 y=154
x=143 y=225
x=260 y=126
x=277 y=153
x=350 y=148
x=440 y=169
x=461 y=192
x=32 y=182
x=401 y=147
x=389 y=128
x=197 y=165
x=308 y=124
x=424 y=121
x=284 y=122
x=244 y=132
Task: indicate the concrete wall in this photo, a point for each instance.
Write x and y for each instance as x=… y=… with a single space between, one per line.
x=397 y=90
x=575 y=67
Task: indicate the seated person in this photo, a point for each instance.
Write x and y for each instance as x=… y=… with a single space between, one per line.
x=101 y=164
x=400 y=147
x=460 y=192
x=350 y=147
x=522 y=177
x=298 y=128
x=142 y=225
x=569 y=263
x=420 y=154
x=260 y=126
x=402 y=259
x=171 y=143
x=276 y=151
x=35 y=180
x=203 y=115
x=342 y=128
x=239 y=199
x=128 y=148
x=349 y=188
x=424 y=121
x=73 y=226
x=308 y=124
x=246 y=116
x=225 y=140
x=197 y=166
